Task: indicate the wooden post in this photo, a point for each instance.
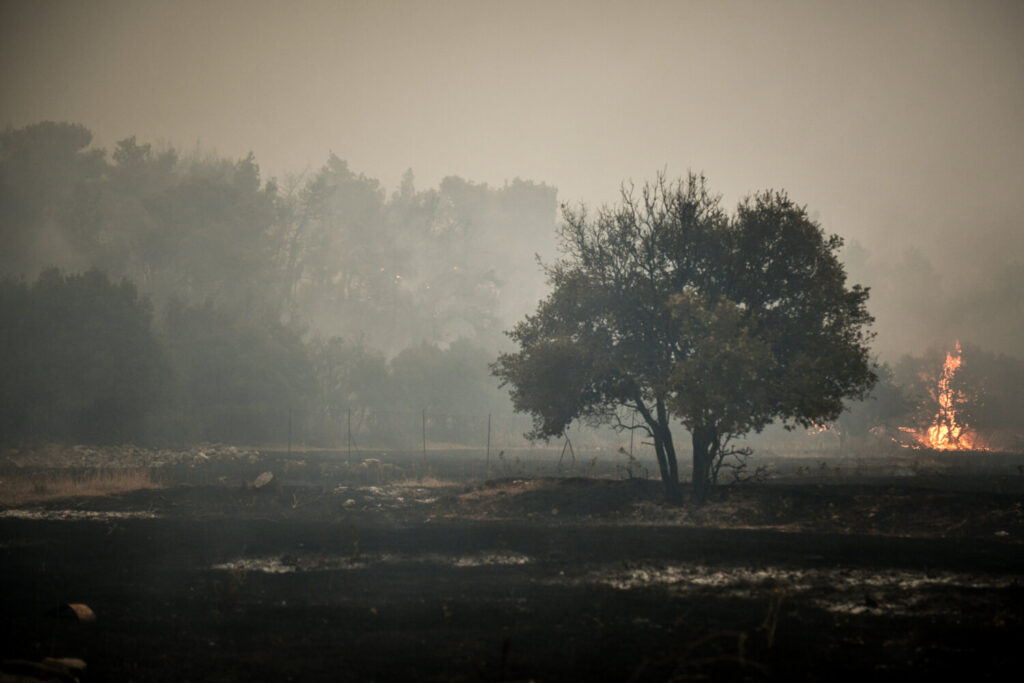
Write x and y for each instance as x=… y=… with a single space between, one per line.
x=350 y=434
x=424 y=440
x=488 y=444
x=632 y=428
x=289 y=430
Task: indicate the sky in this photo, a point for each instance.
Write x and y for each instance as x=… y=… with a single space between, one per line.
x=898 y=124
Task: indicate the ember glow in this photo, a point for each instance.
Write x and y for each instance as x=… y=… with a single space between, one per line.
x=947 y=431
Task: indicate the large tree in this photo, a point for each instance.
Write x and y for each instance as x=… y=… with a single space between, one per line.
x=668 y=306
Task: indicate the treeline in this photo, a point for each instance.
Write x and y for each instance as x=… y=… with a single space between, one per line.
x=82 y=359
x=159 y=297
x=153 y=296
x=328 y=251
x=79 y=359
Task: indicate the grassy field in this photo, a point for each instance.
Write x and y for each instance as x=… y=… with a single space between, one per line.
x=33 y=487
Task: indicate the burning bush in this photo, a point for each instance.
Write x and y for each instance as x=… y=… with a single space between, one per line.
x=970 y=400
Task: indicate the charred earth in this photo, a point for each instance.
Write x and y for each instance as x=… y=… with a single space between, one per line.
x=388 y=568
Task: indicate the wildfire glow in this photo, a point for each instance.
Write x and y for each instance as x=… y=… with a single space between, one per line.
x=947 y=432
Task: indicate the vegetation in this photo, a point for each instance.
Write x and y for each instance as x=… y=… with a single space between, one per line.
x=157 y=297
x=327 y=253
x=78 y=359
x=667 y=306
x=82 y=361
x=985 y=393
x=885 y=409
x=19 y=489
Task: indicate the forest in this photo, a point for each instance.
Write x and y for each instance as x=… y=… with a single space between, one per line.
x=158 y=296
x=155 y=296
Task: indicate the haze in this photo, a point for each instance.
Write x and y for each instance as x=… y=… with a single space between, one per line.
x=898 y=124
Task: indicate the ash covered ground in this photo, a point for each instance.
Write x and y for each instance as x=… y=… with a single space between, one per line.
x=391 y=567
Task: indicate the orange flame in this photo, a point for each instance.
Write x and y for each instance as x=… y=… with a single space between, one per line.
x=947 y=433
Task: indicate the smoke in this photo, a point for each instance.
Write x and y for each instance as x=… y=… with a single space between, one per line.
x=920 y=303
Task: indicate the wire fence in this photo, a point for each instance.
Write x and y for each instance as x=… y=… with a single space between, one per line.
x=365 y=430
x=380 y=446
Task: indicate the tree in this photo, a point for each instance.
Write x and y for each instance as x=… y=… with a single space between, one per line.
x=352 y=382
x=47 y=172
x=668 y=306
x=236 y=380
x=208 y=237
x=78 y=360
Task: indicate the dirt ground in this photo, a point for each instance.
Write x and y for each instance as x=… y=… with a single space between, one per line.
x=339 y=570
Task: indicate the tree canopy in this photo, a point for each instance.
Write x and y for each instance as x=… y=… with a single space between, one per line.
x=246 y=307
x=328 y=250
x=668 y=306
x=78 y=359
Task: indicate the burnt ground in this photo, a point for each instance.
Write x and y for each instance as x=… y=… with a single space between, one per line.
x=361 y=577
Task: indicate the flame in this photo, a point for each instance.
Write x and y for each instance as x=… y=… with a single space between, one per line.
x=947 y=432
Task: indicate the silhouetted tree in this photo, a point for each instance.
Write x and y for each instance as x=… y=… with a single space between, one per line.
x=79 y=360
x=666 y=305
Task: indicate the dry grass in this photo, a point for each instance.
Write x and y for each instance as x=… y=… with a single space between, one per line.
x=427 y=482
x=19 y=489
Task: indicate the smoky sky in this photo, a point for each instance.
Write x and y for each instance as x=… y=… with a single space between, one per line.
x=898 y=124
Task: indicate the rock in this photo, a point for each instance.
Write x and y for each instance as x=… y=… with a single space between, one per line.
x=265 y=482
x=76 y=611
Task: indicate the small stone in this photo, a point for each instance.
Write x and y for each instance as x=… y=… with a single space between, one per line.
x=264 y=482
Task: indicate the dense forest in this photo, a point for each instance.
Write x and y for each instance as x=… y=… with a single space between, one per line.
x=155 y=296
x=149 y=295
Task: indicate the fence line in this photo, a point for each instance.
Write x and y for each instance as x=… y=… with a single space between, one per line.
x=355 y=431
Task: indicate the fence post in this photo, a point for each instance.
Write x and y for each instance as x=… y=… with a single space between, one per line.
x=632 y=428
x=488 y=444
x=350 y=434
x=424 y=440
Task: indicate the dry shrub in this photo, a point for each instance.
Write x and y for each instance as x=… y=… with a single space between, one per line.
x=19 y=488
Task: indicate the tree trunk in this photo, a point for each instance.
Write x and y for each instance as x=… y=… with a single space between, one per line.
x=659 y=452
x=672 y=491
x=705 y=445
x=663 y=448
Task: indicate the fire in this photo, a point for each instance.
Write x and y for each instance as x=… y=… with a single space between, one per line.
x=947 y=431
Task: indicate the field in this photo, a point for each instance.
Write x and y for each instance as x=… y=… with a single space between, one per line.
x=391 y=567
